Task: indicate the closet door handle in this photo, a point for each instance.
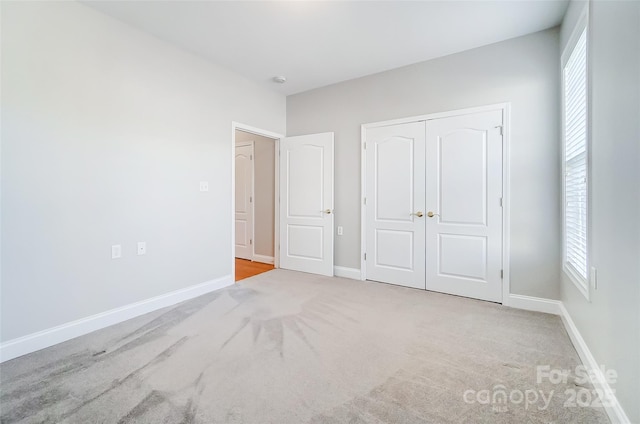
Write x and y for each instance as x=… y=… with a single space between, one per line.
x=431 y=214
x=418 y=214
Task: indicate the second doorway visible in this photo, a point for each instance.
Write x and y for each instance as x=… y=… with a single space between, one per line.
x=255 y=197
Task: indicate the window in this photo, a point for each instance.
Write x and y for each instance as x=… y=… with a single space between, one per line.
x=575 y=136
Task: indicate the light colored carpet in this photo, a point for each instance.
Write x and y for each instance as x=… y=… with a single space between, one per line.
x=288 y=347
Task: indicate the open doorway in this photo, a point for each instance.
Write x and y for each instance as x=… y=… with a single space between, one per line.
x=255 y=206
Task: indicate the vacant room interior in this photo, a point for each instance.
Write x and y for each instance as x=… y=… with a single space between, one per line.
x=450 y=204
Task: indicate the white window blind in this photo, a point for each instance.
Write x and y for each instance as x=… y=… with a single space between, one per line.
x=575 y=157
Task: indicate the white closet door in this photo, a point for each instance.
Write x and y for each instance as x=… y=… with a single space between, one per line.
x=244 y=201
x=395 y=201
x=464 y=193
x=306 y=203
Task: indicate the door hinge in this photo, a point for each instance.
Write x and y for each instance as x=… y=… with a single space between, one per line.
x=365 y=256
x=250 y=241
x=364 y=146
x=501 y=129
x=365 y=200
x=250 y=199
x=501 y=273
x=501 y=202
x=250 y=157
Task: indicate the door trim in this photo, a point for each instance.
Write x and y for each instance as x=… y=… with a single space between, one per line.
x=276 y=240
x=506 y=190
x=253 y=196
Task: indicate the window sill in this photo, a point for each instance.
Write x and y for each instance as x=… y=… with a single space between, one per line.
x=581 y=284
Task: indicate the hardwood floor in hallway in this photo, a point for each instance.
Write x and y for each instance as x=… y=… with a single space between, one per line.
x=246 y=268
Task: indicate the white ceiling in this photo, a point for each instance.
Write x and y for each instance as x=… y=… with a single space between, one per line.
x=317 y=43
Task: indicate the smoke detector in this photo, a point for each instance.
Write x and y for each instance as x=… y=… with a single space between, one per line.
x=280 y=79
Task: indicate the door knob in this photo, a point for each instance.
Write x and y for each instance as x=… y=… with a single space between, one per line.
x=431 y=214
x=327 y=211
x=418 y=214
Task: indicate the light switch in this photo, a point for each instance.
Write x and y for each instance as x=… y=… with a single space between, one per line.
x=142 y=248
x=204 y=186
x=116 y=251
x=339 y=230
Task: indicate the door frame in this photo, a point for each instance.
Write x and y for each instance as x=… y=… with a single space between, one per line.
x=276 y=238
x=253 y=195
x=506 y=193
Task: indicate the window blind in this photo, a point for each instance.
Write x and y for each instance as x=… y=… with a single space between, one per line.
x=575 y=166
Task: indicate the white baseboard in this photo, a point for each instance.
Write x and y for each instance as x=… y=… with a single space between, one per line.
x=344 y=272
x=61 y=333
x=614 y=410
x=264 y=259
x=536 y=304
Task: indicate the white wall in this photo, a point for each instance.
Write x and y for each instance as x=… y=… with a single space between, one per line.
x=523 y=71
x=106 y=133
x=610 y=323
x=264 y=191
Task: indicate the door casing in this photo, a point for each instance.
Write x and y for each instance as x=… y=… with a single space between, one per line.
x=506 y=109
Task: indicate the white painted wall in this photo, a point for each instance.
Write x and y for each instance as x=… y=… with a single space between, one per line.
x=106 y=133
x=523 y=71
x=264 y=191
x=610 y=323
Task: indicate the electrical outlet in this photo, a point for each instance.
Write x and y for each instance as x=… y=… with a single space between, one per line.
x=204 y=186
x=116 y=251
x=142 y=248
x=593 y=276
x=340 y=230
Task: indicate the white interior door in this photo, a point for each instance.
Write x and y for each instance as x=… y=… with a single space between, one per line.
x=306 y=203
x=464 y=192
x=244 y=201
x=395 y=201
